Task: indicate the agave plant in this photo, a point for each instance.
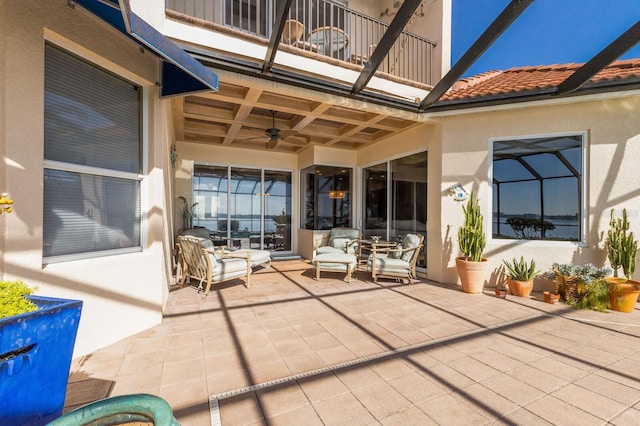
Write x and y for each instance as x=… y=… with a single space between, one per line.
x=521 y=270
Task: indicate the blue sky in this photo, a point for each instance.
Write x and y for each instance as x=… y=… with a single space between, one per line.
x=547 y=32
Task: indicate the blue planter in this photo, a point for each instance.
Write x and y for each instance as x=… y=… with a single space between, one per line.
x=33 y=382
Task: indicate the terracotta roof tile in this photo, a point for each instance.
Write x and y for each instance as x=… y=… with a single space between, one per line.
x=534 y=78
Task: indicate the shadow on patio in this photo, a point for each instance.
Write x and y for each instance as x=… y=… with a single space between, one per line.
x=293 y=350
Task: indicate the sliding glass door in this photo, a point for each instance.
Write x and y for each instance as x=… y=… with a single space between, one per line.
x=277 y=210
x=244 y=207
x=395 y=199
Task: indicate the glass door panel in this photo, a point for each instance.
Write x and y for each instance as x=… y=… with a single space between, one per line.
x=241 y=208
x=277 y=210
x=245 y=219
x=409 y=198
x=210 y=192
x=395 y=203
x=375 y=201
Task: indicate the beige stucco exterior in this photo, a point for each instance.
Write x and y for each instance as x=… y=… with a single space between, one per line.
x=613 y=133
x=124 y=294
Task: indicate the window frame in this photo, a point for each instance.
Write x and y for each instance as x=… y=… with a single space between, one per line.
x=583 y=204
x=105 y=65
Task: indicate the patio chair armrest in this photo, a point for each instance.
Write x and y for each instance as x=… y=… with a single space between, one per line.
x=320 y=241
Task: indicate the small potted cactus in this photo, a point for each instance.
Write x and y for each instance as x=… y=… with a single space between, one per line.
x=622 y=249
x=472 y=267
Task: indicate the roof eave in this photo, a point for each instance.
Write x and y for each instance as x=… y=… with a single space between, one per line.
x=532 y=95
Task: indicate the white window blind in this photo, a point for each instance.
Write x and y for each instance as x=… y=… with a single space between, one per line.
x=92 y=148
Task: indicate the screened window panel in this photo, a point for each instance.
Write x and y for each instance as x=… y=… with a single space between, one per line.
x=537 y=188
x=87 y=213
x=547 y=165
x=508 y=170
x=92 y=118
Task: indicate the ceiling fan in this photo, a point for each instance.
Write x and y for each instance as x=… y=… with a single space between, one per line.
x=275 y=135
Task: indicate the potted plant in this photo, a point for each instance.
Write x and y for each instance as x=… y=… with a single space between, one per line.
x=520 y=274
x=37 y=336
x=582 y=287
x=622 y=249
x=187 y=212
x=471 y=265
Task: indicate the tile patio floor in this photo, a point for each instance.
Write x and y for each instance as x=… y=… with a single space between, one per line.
x=291 y=350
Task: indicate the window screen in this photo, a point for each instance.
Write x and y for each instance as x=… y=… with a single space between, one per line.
x=537 y=188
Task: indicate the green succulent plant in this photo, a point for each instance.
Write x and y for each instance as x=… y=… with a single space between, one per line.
x=471 y=236
x=521 y=270
x=621 y=245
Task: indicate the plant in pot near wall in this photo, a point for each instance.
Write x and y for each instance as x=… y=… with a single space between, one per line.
x=187 y=212
x=582 y=287
x=520 y=274
x=37 y=336
x=622 y=249
x=472 y=267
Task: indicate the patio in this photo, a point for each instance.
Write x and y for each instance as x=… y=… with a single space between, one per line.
x=293 y=350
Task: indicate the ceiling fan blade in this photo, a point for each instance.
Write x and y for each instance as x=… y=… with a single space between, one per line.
x=295 y=140
x=273 y=143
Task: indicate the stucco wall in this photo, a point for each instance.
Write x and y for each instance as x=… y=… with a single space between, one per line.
x=122 y=294
x=613 y=133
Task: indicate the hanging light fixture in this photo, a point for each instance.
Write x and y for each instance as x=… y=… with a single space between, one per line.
x=336 y=194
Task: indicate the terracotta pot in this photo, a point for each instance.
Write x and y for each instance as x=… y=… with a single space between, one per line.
x=472 y=274
x=550 y=297
x=623 y=294
x=520 y=288
x=500 y=292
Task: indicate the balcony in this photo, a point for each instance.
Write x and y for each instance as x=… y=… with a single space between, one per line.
x=319 y=29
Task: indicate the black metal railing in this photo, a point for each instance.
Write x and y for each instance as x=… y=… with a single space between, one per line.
x=321 y=27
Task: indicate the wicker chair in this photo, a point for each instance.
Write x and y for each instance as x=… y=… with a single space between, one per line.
x=206 y=264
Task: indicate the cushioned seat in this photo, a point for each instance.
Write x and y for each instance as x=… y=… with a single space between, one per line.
x=335 y=262
x=399 y=262
x=258 y=257
x=340 y=240
x=202 y=262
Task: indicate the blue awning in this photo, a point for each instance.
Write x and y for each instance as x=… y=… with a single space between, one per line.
x=181 y=73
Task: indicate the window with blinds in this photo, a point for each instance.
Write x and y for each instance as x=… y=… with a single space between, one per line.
x=92 y=150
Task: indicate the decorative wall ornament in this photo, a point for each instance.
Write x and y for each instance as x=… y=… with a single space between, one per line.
x=173 y=153
x=5 y=203
x=458 y=192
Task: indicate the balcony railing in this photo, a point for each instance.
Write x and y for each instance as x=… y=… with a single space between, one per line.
x=323 y=28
